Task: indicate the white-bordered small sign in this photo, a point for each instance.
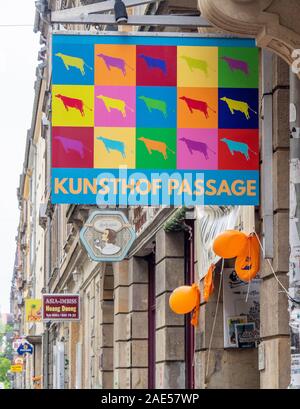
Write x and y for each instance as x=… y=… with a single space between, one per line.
x=107 y=235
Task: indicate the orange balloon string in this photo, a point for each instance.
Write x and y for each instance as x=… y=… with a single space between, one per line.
x=209 y=283
x=195 y=314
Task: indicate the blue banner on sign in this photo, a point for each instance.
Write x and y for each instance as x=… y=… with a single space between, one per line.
x=145 y=187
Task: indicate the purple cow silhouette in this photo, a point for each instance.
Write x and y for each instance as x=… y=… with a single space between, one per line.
x=154 y=63
x=115 y=62
x=197 y=147
x=236 y=65
x=72 y=145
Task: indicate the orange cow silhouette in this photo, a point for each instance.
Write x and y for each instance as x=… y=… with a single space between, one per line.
x=158 y=146
x=73 y=103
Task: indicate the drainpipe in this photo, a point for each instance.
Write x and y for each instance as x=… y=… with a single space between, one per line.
x=294 y=231
x=47 y=270
x=46 y=339
x=34 y=218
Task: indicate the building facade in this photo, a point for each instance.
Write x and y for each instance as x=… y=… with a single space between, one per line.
x=127 y=336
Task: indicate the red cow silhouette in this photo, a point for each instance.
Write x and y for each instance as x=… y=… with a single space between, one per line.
x=73 y=103
x=195 y=104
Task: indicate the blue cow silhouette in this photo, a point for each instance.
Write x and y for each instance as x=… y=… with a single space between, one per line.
x=113 y=145
x=240 y=147
x=154 y=63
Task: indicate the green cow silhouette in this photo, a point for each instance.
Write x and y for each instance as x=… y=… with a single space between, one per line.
x=157 y=104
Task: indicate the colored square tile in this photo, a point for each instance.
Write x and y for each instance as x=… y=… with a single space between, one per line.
x=156 y=107
x=197 y=67
x=197 y=149
x=156 y=65
x=197 y=108
x=238 y=108
x=72 y=105
x=114 y=147
x=72 y=147
x=239 y=149
x=238 y=67
x=115 y=106
x=115 y=64
x=156 y=148
x=73 y=64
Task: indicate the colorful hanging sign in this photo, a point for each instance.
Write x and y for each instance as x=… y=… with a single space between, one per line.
x=107 y=235
x=16 y=368
x=61 y=307
x=25 y=348
x=154 y=120
x=16 y=343
x=18 y=360
x=33 y=310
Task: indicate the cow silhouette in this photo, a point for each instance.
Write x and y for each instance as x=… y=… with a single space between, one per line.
x=240 y=147
x=70 y=144
x=158 y=146
x=76 y=62
x=114 y=62
x=237 y=65
x=153 y=63
x=157 y=104
x=241 y=106
x=195 y=104
x=117 y=104
x=197 y=146
x=73 y=103
x=113 y=145
x=194 y=63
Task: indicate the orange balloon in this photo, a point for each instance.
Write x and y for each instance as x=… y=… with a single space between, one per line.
x=230 y=243
x=248 y=263
x=184 y=299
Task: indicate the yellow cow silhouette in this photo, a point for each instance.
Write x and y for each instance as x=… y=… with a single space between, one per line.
x=76 y=62
x=241 y=106
x=158 y=146
x=113 y=103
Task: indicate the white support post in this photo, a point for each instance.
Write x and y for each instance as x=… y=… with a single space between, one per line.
x=267 y=154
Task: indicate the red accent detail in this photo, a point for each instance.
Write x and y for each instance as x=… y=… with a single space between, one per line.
x=63 y=156
x=151 y=76
x=237 y=161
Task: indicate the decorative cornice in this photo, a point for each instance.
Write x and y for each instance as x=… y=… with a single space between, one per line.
x=266 y=20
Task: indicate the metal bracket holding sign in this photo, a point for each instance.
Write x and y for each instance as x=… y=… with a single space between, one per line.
x=107 y=235
x=94 y=14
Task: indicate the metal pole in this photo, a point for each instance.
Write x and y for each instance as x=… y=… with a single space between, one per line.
x=294 y=231
x=47 y=269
